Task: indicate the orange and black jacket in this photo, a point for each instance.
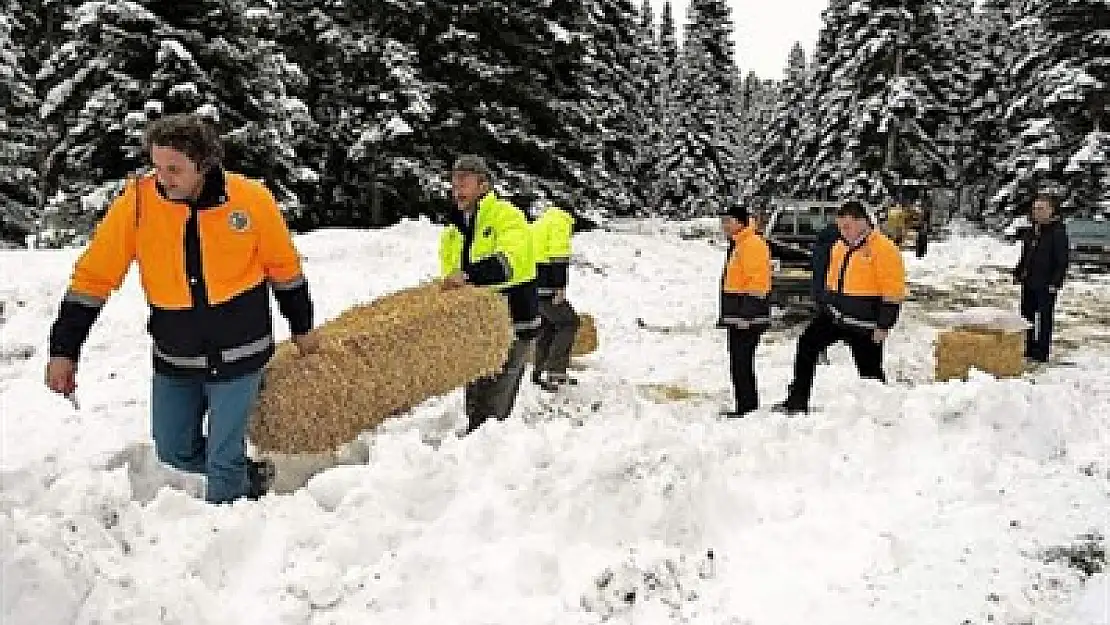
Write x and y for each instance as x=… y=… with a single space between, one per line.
x=206 y=268
x=746 y=282
x=866 y=282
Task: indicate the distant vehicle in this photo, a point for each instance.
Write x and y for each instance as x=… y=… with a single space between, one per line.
x=1089 y=241
x=791 y=231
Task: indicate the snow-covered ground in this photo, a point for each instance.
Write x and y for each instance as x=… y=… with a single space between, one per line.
x=624 y=498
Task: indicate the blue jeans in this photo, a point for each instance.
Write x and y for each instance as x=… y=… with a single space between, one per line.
x=178 y=406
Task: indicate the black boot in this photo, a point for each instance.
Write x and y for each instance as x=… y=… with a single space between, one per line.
x=260 y=475
x=789 y=408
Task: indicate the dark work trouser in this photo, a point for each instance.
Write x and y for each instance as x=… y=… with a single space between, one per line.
x=1038 y=306
x=741 y=352
x=493 y=397
x=556 y=338
x=822 y=333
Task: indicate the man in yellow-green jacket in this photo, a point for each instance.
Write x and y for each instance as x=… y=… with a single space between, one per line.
x=551 y=233
x=488 y=243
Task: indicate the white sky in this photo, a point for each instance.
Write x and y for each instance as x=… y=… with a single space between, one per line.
x=765 y=30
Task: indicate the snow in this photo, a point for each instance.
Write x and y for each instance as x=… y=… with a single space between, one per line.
x=209 y=111
x=172 y=49
x=913 y=502
x=184 y=90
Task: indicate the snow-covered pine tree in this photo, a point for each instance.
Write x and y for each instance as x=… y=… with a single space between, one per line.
x=1063 y=108
x=123 y=63
x=776 y=155
x=664 y=186
x=820 y=170
x=20 y=130
x=704 y=155
x=649 y=69
x=989 y=49
x=947 y=49
x=563 y=49
x=875 y=98
x=94 y=86
x=755 y=108
x=498 y=80
x=613 y=81
x=254 y=99
x=363 y=93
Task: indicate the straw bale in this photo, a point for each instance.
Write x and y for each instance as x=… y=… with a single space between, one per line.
x=998 y=352
x=585 y=340
x=377 y=360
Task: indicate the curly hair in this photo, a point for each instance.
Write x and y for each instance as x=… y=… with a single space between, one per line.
x=191 y=135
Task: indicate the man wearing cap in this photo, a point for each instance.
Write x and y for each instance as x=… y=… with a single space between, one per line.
x=745 y=310
x=488 y=243
x=865 y=285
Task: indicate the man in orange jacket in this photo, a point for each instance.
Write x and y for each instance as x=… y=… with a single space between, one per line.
x=209 y=245
x=745 y=310
x=865 y=285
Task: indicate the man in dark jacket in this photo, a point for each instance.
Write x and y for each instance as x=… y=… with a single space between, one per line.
x=821 y=248
x=1040 y=272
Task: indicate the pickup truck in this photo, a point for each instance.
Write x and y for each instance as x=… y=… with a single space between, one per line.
x=791 y=232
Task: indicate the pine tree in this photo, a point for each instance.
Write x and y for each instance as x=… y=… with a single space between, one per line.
x=363 y=93
x=755 y=108
x=18 y=131
x=989 y=48
x=94 y=86
x=877 y=100
x=704 y=155
x=776 y=158
x=613 y=78
x=500 y=84
x=664 y=186
x=648 y=71
x=254 y=99
x=1063 y=112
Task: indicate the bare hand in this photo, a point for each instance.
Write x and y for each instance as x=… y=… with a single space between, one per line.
x=559 y=297
x=880 y=335
x=454 y=281
x=308 y=343
x=61 y=375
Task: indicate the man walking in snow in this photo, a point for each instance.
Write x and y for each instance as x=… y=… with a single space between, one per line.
x=551 y=234
x=865 y=284
x=210 y=244
x=1040 y=272
x=745 y=309
x=488 y=243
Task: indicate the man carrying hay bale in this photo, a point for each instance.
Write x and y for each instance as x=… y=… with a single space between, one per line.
x=551 y=234
x=1040 y=272
x=209 y=244
x=866 y=285
x=488 y=243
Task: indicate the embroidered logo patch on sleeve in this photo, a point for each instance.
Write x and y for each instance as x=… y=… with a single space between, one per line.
x=239 y=221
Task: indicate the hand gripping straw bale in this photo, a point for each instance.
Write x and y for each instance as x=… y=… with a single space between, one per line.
x=378 y=360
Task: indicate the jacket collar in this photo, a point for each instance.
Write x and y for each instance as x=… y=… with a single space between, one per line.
x=458 y=219
x=213 y=193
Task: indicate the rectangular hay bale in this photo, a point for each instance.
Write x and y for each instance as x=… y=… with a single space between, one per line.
x=585 y=340
x=377 y=360
x=997 y=352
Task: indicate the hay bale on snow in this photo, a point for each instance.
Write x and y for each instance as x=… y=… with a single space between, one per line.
x=377 y=360
x=998 y=352
x=585 y=340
